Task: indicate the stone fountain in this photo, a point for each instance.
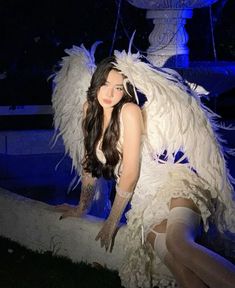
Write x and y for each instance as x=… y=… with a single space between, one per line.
x=168 y=44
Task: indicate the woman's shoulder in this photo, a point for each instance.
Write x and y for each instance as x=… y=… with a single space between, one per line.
x=131 y=109
x=131 y=112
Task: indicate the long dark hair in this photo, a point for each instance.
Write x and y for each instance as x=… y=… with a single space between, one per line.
x=93 y=124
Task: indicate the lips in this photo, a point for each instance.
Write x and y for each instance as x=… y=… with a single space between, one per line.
x=107 y=101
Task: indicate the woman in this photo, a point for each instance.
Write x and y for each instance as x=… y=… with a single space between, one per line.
x=170 y=199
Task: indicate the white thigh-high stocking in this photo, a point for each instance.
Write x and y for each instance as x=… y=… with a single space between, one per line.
x=182 y=228
x=186 y=216
x=182 y=274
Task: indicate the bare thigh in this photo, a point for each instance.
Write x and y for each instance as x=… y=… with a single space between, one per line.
x=183 y=202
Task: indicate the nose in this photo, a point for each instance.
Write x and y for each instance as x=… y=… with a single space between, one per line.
x=110 y=92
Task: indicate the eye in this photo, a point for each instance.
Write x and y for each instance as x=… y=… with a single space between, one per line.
x=119 y=88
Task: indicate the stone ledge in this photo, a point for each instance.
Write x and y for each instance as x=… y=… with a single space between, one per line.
x=36 y=226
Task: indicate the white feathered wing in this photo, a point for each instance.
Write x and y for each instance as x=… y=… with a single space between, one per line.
x=69 y=95
x=177 y=120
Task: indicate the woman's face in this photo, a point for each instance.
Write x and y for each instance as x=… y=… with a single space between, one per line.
x=112 y=91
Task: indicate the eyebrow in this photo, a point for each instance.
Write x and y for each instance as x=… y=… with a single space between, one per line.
x=115 y=84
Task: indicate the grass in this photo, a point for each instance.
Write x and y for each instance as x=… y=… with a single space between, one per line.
x=23 y=268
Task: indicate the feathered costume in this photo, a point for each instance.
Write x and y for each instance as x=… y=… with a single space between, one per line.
x=176 y=121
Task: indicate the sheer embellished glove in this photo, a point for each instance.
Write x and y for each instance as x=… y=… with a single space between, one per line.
x=107 y=232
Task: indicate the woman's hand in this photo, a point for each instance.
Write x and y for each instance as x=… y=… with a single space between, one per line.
x=106 y=235
x=69 y=211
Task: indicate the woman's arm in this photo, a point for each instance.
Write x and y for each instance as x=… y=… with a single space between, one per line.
x=88 y=182
x=87 y=191
x=87 y=194
x=86 y=197
x=133 y=128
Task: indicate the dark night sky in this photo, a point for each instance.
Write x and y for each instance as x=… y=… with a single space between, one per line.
x=34 y=35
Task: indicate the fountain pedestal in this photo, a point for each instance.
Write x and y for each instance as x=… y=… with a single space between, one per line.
x=168 y=40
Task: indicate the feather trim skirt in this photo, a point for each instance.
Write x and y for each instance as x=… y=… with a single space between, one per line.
x=157 y=185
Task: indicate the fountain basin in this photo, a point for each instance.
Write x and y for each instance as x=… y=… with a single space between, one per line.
x=216 y=77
